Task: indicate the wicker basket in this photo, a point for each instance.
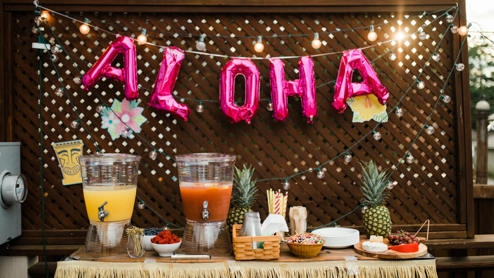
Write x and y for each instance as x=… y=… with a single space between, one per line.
x=242 y=246
x=304 y=250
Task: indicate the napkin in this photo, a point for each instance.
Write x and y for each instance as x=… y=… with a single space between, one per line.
x=272 y=224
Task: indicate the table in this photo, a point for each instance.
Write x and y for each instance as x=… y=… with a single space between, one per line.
x=330 y=263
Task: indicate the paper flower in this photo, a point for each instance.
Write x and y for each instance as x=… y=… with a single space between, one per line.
x=367 y=108
x=122 y=116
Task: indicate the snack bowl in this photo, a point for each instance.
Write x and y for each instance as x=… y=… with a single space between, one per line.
x=305 y=250
x=338 y=237
x=166 y=250
x=148 y=245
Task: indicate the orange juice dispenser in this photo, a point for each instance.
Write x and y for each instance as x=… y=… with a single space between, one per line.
x=109 y=182
x=206 y=187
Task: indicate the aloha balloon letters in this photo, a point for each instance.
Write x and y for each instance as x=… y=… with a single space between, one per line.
x=304 y=87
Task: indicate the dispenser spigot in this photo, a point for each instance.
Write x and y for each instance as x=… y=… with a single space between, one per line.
x=205 y=212
x=102 y=213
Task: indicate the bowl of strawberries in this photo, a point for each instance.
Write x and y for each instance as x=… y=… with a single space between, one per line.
x=165 y=243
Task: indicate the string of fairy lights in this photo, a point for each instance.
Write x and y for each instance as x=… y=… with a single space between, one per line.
x=43 y=13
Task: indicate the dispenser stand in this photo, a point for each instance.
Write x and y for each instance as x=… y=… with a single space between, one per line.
x=107 y=238
x=206 y=238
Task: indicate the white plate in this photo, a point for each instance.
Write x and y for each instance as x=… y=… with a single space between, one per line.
x=338 y=237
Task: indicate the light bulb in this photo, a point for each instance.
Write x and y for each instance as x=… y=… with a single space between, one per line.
x=436 y=57
x=141 y=205
x=37 y=20
x=200 y=44
x=392 y=56
x=463 y=30
x=446 y=99
x=200 y=108
x=259 y=47
x=372 y=36
x=84 y=28
x=364 y=209
x=399 y=112
x=321 y=174
x=423 y=35
x=460 y=67
x=34 y=30
x=400 y=36
x=286 y=185
x=377 y=136
x=74 y=124
x=410 y=159
x=126 y=133
x=421 y=85
x=99 y=108
x=269 y=107
x=316 y=43
x=55 y=49
x=348 y=158
x=142 y=39
x=454 y=29
x=54 y=58
x=77 y=80
x=45 y=15
x=59 y=92
x=449 y=18
x=391 y=185
x=430 y=130
x=153 y=155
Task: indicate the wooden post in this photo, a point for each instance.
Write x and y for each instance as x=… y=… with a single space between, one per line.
x=482 y=108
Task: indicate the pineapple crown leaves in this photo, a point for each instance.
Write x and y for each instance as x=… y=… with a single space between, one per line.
x=373 y=184
x=244 y=188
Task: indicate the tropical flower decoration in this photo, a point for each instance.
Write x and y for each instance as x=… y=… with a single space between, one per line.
x=123 y=118
x=367 y=108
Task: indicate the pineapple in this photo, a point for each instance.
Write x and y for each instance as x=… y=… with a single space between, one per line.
x=243 y=196
x=377 y=220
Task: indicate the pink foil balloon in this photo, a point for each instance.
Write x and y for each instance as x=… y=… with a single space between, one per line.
x=345 y=88
x=227 y=90
x=304 y=87
x=162 y=98
x=127 y=75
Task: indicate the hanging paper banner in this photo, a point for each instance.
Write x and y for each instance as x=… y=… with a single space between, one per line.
x=366 y=108
x=68 y=154
x=304 y=87
x=162 y=98
x=345 y=88
x=227 y=90
x=123 y=118
x=127 y=74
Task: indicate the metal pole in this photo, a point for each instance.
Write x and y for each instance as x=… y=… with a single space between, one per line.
x=482 y=108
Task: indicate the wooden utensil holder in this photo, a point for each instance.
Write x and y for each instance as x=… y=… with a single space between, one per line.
x=242 y=246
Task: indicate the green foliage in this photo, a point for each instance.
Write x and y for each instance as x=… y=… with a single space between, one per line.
x=373 y=184
x=244 y=188
x=481 y=63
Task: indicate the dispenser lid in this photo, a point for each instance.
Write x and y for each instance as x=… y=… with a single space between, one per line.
x=205 y=158
x=109 y=159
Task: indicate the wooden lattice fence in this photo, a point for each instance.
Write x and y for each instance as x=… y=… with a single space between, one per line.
x=428 y=188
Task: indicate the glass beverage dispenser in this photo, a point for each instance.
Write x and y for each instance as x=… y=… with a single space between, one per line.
x=206 y=187
x=109 y=183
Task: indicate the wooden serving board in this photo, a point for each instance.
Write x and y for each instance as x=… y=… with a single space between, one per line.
x=390 y=254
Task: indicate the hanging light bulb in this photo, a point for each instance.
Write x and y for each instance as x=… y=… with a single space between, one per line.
x=99 y=108
x=423 y=36
x=259 y=47
x=377 y=135
x=45 y=15
x=410 y=159
x=153 y=154
x=141 y=205
x=74 y=124
x=420 y=85
x=200 y=44
x=348 y=157
x=364 y=209
x=430 y=129
x=316 y=42
x=372 y=36
x=126 y=133
x=449 y=18
x=286 y=185
x=54 y=58
x=269 y=107
x=454 y=29
x=35 y=29
x=463 y=30
x=399 y=112
x=77 y=80
x=391 y=185
x=84 y=28
x=400 y=36
x=55 y=49
x=460 y=67
x=142 y=39
x=59 y=92
x=321 y=174
x=37 y=20
x=446 y=99
x=200 y=108
x=436 y=57
x=392 y=56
